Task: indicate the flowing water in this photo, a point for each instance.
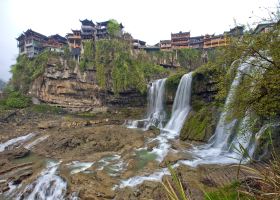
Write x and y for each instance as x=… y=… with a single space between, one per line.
x=16 y=141
x=156 y=114
x=48 y=186
x=226 y=145
x=35 y=142
x=181 y=108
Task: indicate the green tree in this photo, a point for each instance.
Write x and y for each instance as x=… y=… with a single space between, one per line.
x=259 y=88
x=190 y=58
x=113 y=28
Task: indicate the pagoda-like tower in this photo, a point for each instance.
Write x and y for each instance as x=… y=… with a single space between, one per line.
x=88 y=30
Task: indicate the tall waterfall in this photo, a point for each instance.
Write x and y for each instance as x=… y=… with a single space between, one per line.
x=156 y=114
x=224 y=145
x=180 y=110
x=181 y=106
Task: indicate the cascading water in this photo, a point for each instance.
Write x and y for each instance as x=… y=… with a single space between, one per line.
x=220 y=150
x=180 y=110
x=181 y=106
x=48 y=186
x=155 y=113
x=16 y=141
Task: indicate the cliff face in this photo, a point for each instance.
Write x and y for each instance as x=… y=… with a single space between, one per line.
x=69 y=88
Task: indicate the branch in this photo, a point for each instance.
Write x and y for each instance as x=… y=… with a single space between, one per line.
x=261 y=66
x=263 y=57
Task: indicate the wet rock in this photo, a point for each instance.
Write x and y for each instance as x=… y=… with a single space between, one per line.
x=15 y=153
x=17 y=179
x=172 y=158
x=4 y=187
x=47 y=125
x=151 y=145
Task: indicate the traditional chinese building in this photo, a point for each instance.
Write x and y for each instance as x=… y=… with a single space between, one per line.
x=56 y=43
x=31 y=43
x=235 y=32
x=213 y=41
x=88 y=30
x=102 y=30
x=138 y=43
x=165 y=45
x=180 y=40
x=74 y=42
x=264 y=28
x=196 y=42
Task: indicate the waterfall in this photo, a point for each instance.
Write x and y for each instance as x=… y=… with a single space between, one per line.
x=220 y=149
x=181 y=106
x=180 y=110
x=155 y=112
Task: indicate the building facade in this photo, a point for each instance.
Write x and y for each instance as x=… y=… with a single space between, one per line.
x=74 y=42
x=31 y=43
x=196 y=42
x=56 y=43
x=165 y=45
x=214 y=41
x=88 y=30
x=180 y=40
x=264 y=28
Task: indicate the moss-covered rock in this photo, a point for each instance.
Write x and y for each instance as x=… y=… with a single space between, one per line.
x=200 y=125
x=204 y=86
x=201 y=122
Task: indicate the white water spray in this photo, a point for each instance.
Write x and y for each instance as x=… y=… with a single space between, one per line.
x=16 y=141
x=48 y=186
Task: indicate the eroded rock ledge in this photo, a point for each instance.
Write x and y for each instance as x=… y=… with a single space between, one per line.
x=66 y=86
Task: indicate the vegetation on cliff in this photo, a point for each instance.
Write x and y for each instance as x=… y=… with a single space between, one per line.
x=27 y=70
x=118 y=66
x=258 y=92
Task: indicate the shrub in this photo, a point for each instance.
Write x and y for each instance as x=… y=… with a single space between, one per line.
x=17 y=100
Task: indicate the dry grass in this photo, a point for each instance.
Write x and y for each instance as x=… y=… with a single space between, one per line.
x=174 y=190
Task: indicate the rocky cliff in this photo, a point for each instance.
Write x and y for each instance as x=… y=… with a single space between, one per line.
x=64 y=85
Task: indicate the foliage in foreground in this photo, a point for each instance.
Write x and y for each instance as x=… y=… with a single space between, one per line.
x=174 y=190
x=263 y=182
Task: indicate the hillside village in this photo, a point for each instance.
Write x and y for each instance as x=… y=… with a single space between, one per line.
x=98 y=114
x=31 y=43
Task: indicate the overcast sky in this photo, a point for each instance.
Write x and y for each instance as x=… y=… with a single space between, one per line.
x=148 y=20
